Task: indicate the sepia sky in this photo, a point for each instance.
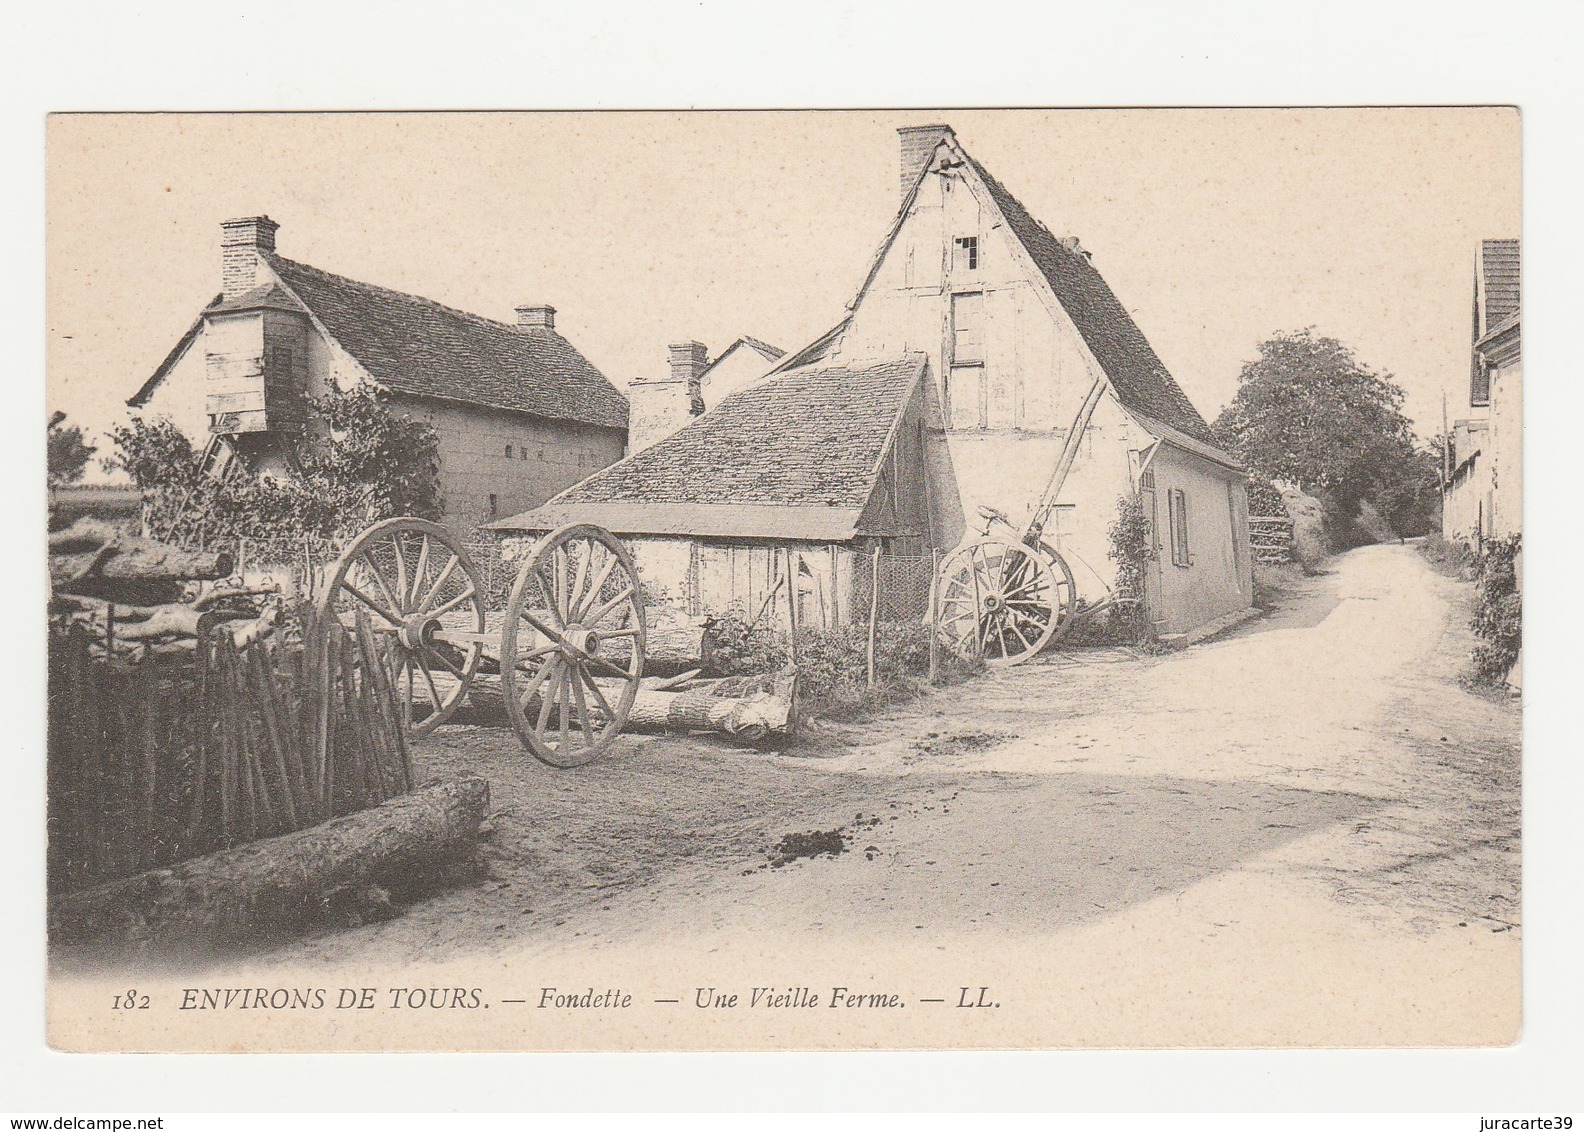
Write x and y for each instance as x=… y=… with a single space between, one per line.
x=1215 y=228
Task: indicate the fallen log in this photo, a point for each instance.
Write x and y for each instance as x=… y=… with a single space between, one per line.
x=758 y=717
x=673 y=646
x=94 y=558
x=283 y=883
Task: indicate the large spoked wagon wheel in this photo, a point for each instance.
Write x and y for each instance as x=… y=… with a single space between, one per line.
x=417 y=586
x=1001 y=600
x=1066 y=592
x=572 y=647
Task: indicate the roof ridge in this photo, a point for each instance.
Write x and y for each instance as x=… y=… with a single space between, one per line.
x=762 y=346
x=677 y=455
x=493 y=324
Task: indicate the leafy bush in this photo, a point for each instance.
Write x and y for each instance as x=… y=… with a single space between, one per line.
x=832 y=663
x=1453 y=557
x=370 y=463
x=1132 y=549
x=1498 y=612
x=68 y=454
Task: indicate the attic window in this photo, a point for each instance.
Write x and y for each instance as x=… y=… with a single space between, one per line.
x=965 y=253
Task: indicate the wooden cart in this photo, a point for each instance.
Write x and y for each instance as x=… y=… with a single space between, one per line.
x=1005 y=594
x=569 y=645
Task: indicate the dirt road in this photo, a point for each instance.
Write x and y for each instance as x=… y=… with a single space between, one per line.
x=1303 y=832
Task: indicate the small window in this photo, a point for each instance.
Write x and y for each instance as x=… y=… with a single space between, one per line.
x=1179 y=527
x=541 y=455
x=523 y=452
x=508 y=452
x=965 y=253
x=494 y=505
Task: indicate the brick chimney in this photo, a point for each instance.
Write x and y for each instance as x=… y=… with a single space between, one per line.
x=536 y=318
x=660 y=406
x=918 y=146
x=241 y=242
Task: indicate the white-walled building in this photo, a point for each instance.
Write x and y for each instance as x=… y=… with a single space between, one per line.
x=951 y=384
x=520 y=414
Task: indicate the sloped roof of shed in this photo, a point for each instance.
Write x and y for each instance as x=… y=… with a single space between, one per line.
x=799 y=451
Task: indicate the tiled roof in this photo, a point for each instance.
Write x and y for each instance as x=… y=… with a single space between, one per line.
x=418 y=347
x=804 y=439
x=1500 y=266
x=1141 y=380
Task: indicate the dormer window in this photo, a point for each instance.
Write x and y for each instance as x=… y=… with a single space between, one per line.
x=965 y=253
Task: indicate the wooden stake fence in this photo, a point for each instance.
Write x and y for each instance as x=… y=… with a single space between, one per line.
x=174 y=757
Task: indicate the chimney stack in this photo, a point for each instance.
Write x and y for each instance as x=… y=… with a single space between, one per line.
x=659 y=407
x=689 y=360
x=918 y=147
x=536 y=318
x=242 y=241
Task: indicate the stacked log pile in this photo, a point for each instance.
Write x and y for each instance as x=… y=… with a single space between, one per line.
x=133 y=596
x=1272 y=538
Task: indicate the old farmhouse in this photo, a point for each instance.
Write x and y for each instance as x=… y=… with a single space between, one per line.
x=950 y=385
x=520 y=414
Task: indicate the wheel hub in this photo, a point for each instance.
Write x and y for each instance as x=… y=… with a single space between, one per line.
x=993 y=603
x=418 y=632
x=580 y=641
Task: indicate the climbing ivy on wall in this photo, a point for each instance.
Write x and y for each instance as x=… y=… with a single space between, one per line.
x=364 y=463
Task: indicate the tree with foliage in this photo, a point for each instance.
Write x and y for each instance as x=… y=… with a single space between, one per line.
x=365 y=462
x=1310 y=414
x=68 y=455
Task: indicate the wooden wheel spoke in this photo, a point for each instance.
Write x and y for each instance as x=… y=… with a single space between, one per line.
x=420 y=572
x=544 y=630
x=534 y=654
x=401 y=565
x=1012 y=625
x=434 y=590
x=371 y=603
x=575 y=595
x=564 y=705
x=547 y=590
x=595 y=585
x=547 y=699
x=384 y=586
x=454 y=602
x=606 y=667
x=598 y=615
x=535 y=681
x=445 y=662
x=585 y=723
x=558 y=559
x=434 y=689
x=610 y=712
